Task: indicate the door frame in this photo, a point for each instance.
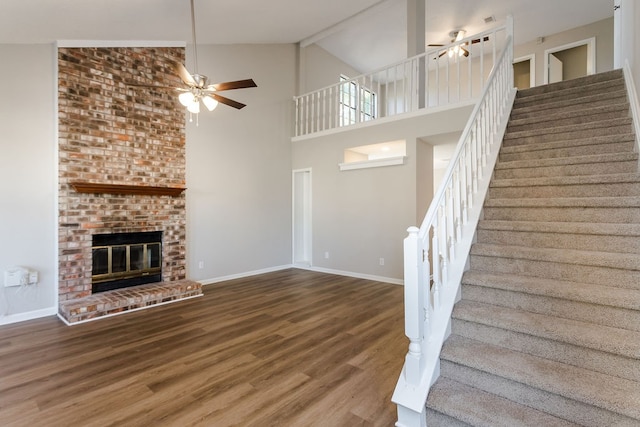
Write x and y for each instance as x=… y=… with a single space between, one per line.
x=532 y=67
x=591 y=55
x=305 y=205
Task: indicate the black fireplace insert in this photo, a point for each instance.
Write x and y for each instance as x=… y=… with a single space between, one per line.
x=121 y=260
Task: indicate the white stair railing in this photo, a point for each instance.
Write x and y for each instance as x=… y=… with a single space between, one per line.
x=435 y=255
x=436 y=78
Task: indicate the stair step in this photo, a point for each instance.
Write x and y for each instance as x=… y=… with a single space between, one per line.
x=579 y=131
x=612 y=269
x=610 y=185
x=575 y=104
x=578 y=83
x=562 y=235
x=593 y=164
x=574 y=90
x=464 y=405
x=573 y=209
x=624 y=261
x=568 y=148
x=622 y=342
x=583 y=396
x=564 y=118
x=587 y=302
x=604 y=362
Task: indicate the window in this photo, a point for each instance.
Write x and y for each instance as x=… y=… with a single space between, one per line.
x=357 y=103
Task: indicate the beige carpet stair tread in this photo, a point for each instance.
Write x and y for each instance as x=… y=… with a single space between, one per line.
x=584 y=115
x=587 y=101
x=601 y=390
x=619 y=341
x=613 y=126
x=584 y=202
x=623 y=261
x=545 y=146
x=567 y=161
x=567 y=180
x=574 y=291
x=472 y=405
x=593 y=228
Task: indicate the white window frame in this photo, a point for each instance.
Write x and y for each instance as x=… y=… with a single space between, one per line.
x=355 y=107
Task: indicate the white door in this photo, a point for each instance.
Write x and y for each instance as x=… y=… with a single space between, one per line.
x=555 y=69
x=302 y=217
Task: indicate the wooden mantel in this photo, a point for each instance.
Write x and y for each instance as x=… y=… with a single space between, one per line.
x=145 y=190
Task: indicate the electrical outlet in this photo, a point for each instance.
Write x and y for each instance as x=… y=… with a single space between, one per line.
x=326 y=255
x=200 y=265
x=381 y=261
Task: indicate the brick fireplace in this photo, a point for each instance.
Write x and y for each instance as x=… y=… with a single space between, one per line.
x=121 y=170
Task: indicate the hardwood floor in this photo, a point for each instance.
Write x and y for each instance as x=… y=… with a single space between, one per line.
x=290 y=348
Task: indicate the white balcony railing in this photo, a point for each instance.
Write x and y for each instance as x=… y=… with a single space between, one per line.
x=435 y=255
x=438 y=77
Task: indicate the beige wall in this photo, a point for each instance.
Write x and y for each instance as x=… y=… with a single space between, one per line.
x=360 y=216
x=239 y=165
x=319 y=69
x=27 y=177
x=601 y=30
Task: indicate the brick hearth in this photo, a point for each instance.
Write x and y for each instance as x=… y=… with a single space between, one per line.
x=122 y=300
x=111 y=132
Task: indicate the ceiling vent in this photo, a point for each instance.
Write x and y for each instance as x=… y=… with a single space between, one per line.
x=489 y=19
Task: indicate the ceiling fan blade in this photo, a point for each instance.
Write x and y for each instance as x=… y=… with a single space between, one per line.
x=238 y=84
x=184 y=74
x=227 y=101
x=485 y=38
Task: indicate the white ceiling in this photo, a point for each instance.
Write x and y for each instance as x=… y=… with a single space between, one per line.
x=375 y=38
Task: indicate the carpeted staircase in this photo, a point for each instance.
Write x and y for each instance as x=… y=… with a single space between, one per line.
x=547 y=332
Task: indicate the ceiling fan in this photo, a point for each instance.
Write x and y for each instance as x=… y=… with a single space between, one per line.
x=197 y=88
x=458 y=50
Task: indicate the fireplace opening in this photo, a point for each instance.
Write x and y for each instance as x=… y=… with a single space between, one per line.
x=121 y=260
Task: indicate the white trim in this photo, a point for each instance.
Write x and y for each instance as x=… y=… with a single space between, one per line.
x=119 y=43
x=532 y=67
x=66 y=322
x=309 y=219
x=56 y=181
x=387 y=119
x=591 y=55
x=383 y=279
x=375 y=163
x=632 y=94
x=30 y=315
x=243 y=275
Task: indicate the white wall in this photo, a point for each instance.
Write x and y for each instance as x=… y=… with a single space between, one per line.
x=239 y=165
x=27 y=178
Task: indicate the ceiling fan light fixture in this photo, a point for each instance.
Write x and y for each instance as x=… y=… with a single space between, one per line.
x=186 y=98
x=209 y=102
x=194 y=107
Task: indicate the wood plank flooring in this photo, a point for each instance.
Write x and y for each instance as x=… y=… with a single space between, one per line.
x=290 y=348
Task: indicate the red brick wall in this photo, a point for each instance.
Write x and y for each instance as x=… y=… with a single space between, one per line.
x=110 y=132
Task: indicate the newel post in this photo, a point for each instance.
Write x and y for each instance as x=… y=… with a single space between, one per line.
x=413 y=306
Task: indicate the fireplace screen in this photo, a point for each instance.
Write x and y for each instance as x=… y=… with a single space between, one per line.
x=126 y=259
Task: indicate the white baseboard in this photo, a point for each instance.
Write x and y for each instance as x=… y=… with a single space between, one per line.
x=303 y=267
x=243 y=275
x=30 y=315
x=383 y=279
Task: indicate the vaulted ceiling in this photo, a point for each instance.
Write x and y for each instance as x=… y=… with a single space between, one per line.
x=365 y=33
